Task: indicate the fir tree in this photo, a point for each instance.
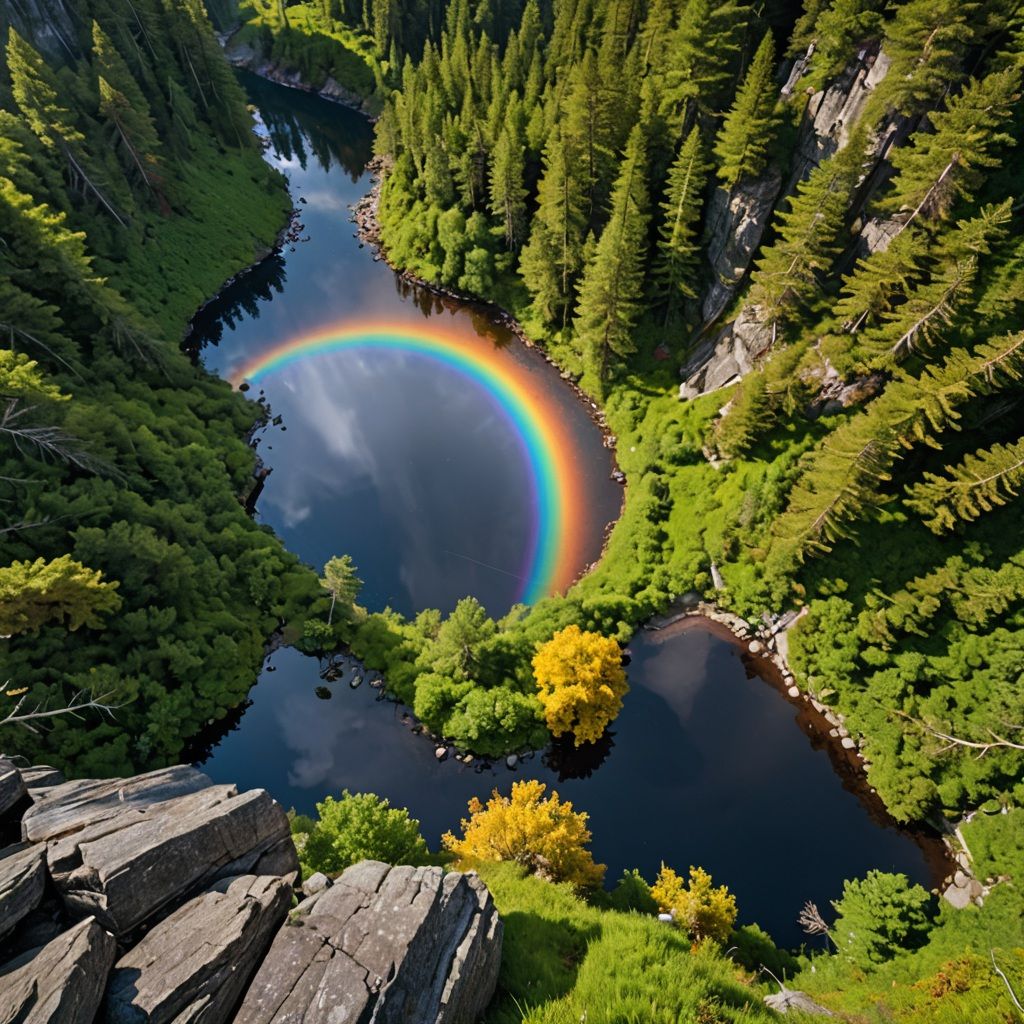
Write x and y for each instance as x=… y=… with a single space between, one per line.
x=554 y=255
x=984 y=480
x=610 y=295
x=508 y=192
x=790 y=272
x=747 y=133
x=678 y=248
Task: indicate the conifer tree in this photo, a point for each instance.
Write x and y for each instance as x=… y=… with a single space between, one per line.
x=125 y=108
x=507 y=190
x=610 y=295
x=678 y=248
x=926 y=42
x=948 y=163
x=984 y=480
x=789 y=274
x=553 y=257
x=702 y=57
x=586 y=123
x=37 y=94
x=747 y=133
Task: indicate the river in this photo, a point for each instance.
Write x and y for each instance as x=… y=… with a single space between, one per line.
x=416 y=469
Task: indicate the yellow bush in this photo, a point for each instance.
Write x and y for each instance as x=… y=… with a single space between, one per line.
x=580 y=682
x=543 y=834
x=705 y=912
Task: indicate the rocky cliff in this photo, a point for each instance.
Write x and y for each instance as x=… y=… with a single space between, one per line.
x=165 y=898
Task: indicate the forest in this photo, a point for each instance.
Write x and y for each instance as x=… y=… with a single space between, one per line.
x=781 y=248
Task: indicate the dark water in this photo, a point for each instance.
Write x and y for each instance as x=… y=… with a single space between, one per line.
x=390 y=458
x=706 y=764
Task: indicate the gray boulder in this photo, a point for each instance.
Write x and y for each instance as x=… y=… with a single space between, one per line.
x=799 y=1002
x=12 y=786
x=393 y=945
x=731 y=354
x=41 y=776
x=735 y=223
x=124 y=850
x=194 y=965
x=61 y=982
x=22 y=881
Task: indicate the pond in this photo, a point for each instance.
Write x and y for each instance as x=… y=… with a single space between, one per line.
x=400 y=442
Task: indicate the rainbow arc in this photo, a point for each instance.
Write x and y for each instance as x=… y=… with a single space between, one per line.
x=557 y=498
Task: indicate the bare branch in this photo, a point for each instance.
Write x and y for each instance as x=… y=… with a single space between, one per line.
x=81 y=701
x=982 y=746
x=1006 y=981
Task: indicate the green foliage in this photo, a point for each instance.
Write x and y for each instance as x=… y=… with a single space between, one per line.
x=743 y=144
x=357 y=827
x=879 y=916
x=563 y=960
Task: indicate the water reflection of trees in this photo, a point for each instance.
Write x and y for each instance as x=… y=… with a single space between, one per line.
x=301 y=126
x=571 y=762
x=239 y=300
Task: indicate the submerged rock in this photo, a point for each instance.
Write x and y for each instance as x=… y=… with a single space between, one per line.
x=391 y=945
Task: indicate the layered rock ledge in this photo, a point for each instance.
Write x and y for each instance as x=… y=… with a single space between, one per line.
x=165 y=898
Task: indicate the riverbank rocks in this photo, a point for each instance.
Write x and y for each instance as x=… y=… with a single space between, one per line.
x=164 y=898
x=385 y=944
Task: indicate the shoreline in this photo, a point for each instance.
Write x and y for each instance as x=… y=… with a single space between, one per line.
x=762 y=646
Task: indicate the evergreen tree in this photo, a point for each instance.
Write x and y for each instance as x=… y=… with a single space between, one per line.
x=926 y=42
x=790 y=272
x=948 y=163
x=37 y=94
x=554 y=255
x=508 y=191
x=610 y=295
x=678 y=248
x=747 y=133
x=986 y=479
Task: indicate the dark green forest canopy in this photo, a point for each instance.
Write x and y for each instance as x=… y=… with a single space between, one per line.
x=123 y=144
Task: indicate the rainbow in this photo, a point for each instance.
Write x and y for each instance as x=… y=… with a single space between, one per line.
x=558 y=503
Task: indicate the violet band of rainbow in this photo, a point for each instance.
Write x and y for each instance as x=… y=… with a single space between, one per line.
x=556 y=499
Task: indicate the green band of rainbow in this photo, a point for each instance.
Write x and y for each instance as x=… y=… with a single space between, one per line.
x=517 y=393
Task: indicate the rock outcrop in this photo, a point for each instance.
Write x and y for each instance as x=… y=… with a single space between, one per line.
x=723 y=359
x=61 y=982
x=164 y=898
x=393 y=945
x=195 y=964
x=22 y=881
x=736 y=221
x=120 y=859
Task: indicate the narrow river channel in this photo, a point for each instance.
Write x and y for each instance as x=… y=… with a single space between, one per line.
x=406 y=460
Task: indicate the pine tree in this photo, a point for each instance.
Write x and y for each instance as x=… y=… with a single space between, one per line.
x=553 y=257
x=948 y=163
x=610 y=295
x=585 y=122
x=37 y=94
x=984 y=480
x=702 y=59
x=507 y=191
x=926 y=42
x=678 y=248
x=125 y=108
x=747 y=133
x=809 y=237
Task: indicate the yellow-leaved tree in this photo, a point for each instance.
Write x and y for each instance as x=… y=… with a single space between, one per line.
x=544 y=834
x=704 y=911
x=581 y=682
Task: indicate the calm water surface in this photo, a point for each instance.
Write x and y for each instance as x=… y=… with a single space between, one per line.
x=411 y=473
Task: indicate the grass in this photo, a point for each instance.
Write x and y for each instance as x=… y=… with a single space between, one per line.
x=565 y=961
